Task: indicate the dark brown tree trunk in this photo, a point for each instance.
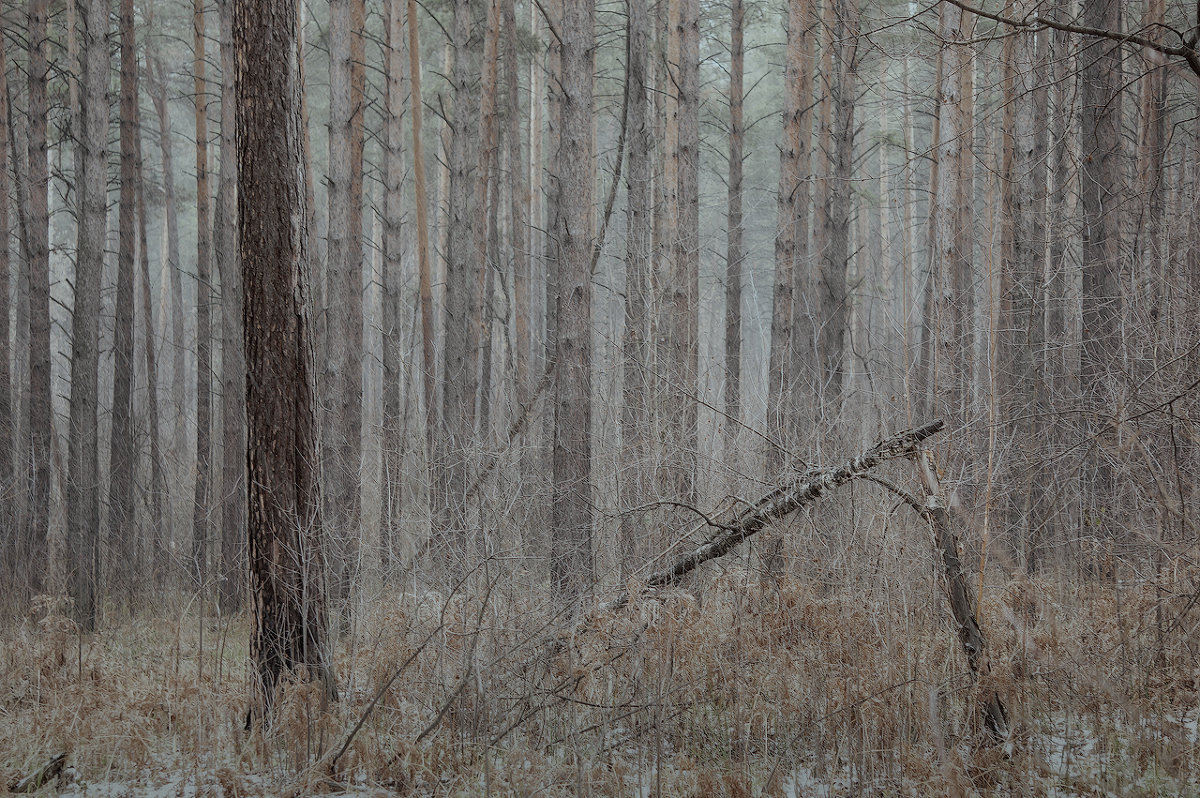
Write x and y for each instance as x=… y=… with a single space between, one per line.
x=1102 y=198
x=285 y=540
x=572 y=569
x=1021 y=337
x=343 y=270
x=232 y=577
x=83 y=488
x=200 y=506
x=38 y=255
x=123 y=550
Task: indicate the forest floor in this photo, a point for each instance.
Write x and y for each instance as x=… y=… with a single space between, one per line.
x=738 y=686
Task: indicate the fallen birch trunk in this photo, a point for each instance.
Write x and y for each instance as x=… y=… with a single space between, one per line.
x=801 y=490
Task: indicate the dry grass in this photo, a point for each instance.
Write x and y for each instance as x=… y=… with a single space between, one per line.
x=740 y=685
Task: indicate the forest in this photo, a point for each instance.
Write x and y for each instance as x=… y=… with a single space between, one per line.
x=553 y=397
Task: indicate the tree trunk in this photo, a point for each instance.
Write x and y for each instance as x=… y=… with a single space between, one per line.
x=951 y=327
x=425 y=275
x=572 y=569
x=461 y=375
x=343 y=270
x=1102 y=197
x=159 y=493
x=683 y=291
x=38 y=255
x=481 y=324
x=734 y=236
x=1022 y=312
x=83 y=494
x=232 y=578
x=393 y=266
x=518 y=203
x=781 y=376
x=122 y=451
x=9 y=537
x=833 y=318
x=200 y=519
x=173 y=265
x=635 y=413
x=285 y=540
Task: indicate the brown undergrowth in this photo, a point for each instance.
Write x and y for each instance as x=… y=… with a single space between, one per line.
x=738 y=685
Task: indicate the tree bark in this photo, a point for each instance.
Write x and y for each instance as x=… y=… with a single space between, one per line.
x=572 y=569
x=200 y=505
x=481 y=324
x=173 y=265
x=83 y=493
x=395 y=51
x=9 y=537
x=424 y=267
x=518 y=203
x=833 y=321
x=232 y=577
x=635 y=410
x=683 y=290
x=159 y=492
x=285 y=540
x=781 y=376
x=951 y=327
x=122 y=452
x=344 y=274
x=735 y=234
x=461 y=365
x=38 y=256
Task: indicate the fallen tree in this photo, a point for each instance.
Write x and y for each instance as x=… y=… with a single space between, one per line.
x=804 y=488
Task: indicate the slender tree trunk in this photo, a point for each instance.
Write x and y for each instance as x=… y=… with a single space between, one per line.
x=461 y=375
x=122 y=452
x=393 y=252
x=518 y=203
x=173 y=266
x=285 y=541
x=38 y=256
x=834 y=302
x=635 y=415
x=424 y=267
x=951 y=326
x=83 y=489
x=683 y=290
x=200 y=506
x=9 y=537
x=343 y=269
x=232 y=580
x=159 y=493
x=1102 y=197
x=481 y=324
x=780 y=375
x=734 y=243
x=572 y=569
x=1150 y=270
